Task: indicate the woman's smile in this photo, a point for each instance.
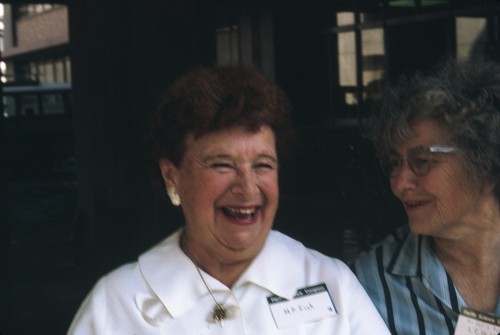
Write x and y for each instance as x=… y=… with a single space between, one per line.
x=236 y=174
x=240 y=215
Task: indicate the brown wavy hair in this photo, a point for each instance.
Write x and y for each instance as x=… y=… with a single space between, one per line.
x=209 y=99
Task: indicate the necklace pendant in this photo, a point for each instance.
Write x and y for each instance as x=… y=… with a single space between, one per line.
x=219 y=314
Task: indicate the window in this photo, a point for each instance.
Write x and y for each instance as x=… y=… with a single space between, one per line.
x=34 y=9
x=373 y=41
x=247 y=39
x=227 y=45
x=9 y=106
x=52 y=70
x=29 y=105
x=36 y=100
x=471 y=32
x=53 y=103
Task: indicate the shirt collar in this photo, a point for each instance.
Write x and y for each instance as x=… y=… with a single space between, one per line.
x=176 y=283
x=406 y=259
x=415 y=257
x=275 y=267
x=172 y=275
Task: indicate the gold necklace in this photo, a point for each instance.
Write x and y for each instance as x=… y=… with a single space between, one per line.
x=219 y=312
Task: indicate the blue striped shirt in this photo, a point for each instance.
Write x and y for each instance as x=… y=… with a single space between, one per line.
x=409 y=285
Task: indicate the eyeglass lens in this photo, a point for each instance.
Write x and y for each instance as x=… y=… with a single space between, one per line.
x=419 y=163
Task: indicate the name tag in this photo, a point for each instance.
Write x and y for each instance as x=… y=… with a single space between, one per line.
x=309 y=304
x=471 y=322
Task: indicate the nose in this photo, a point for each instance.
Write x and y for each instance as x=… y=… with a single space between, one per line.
x=404 y=180
x=245 y=183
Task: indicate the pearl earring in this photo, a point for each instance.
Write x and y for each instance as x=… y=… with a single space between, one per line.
x=174 y=197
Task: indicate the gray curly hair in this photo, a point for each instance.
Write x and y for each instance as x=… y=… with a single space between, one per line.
x=462 y=96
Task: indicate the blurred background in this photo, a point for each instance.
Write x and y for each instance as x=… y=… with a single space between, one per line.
x=79 y=79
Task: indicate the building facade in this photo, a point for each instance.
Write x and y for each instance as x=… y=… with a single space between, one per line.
x=36 y=43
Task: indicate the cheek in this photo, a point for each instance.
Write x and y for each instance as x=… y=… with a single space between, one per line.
x=455 y=193
x=270 y=185
x=396 y=191
x=196 y=191
x=209 y=191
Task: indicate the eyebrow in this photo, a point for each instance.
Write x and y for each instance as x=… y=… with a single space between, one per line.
x=226 y=156
x=270 y=157
x=216 y=156
x=419 y=147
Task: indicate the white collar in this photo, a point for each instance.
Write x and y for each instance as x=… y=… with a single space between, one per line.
x=176 y=283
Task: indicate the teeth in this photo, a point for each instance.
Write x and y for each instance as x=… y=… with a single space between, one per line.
x=247 y=211
x=240 y=213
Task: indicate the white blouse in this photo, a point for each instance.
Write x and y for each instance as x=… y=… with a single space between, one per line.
x=288 y=289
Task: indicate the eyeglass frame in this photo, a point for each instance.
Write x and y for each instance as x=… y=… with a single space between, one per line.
x=388 y=168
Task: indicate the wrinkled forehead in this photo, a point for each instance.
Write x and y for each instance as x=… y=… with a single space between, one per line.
x=418 y=135
x=239 y=139
x=411 y=151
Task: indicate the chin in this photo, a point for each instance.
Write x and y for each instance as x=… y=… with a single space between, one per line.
x=247 y=240
x=419 y=228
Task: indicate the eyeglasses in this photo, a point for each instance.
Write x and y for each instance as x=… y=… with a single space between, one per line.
x=419 y=160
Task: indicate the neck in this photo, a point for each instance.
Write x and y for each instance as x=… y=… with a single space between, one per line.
x=225 y=270
x=474 y=247
x=476 y=239
x=473 y=265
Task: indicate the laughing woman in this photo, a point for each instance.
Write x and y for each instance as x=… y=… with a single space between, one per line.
x=217 y=138
x=439 y=140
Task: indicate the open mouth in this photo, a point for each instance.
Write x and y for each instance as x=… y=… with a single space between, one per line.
x=413 y=204
x=241 y=214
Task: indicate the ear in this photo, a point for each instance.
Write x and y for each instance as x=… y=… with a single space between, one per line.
x=168 y=172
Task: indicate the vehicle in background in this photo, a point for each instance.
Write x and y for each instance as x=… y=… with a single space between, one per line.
x=37 y=126
x=36 y=100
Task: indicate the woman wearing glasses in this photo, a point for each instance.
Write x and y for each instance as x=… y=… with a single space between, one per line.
x=439 y=142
